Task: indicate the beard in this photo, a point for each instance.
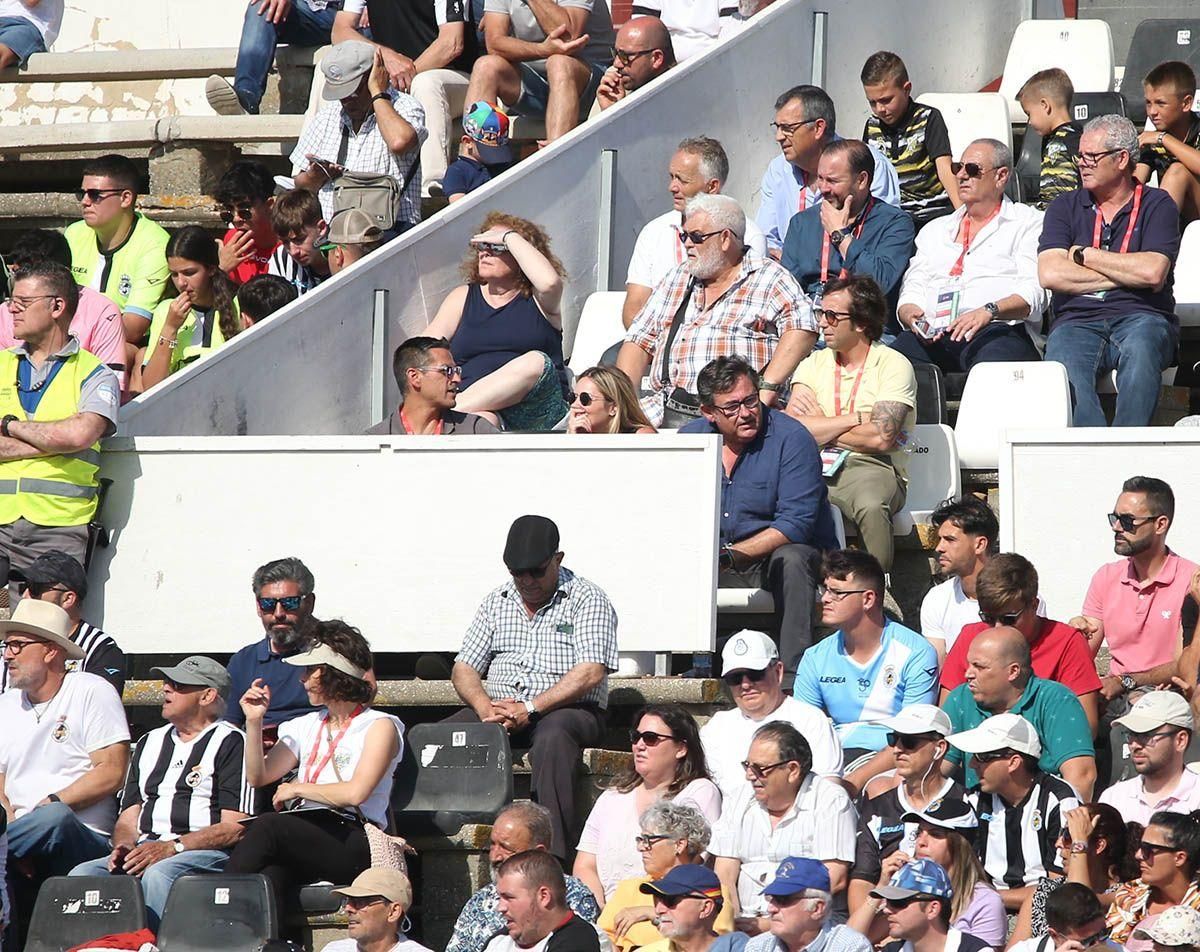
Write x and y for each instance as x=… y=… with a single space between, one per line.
x=289 y=638
x=706 y=265
x=1123 y=546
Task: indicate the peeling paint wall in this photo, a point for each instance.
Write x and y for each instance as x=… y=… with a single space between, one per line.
x=126 y=25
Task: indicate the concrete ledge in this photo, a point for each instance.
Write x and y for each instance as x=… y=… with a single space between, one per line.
x=119 y=65
x=145 y=133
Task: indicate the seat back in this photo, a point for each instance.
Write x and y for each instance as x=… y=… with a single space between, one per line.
x=931 y=393
x=451 y=774
x=1002 y=396
x=599 y=327
x=1187 y=277
x=1084 y=106
x=72 y=909
x=1083 y=48
x=933 y=473
x=1156 y=41
x=971 y=116
x=218 y=912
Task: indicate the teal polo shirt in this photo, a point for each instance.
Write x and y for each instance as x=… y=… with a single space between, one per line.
x=1052 y=709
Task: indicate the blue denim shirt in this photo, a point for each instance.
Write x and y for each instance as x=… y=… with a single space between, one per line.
x=776 y=484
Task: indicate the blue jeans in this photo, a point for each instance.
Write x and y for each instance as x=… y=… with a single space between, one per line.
x=22 y=37
x=157 y=879
x=1139 y=345
x=303 y=26
x=996 y=343
x=54 y=839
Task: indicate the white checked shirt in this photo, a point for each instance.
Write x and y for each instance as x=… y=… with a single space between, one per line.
x=367 y=151
x=520 y=657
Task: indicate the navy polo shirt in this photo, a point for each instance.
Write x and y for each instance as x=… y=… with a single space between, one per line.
x=464 y=176
x=1071 y=220
x=288 y=697
x=776 y=484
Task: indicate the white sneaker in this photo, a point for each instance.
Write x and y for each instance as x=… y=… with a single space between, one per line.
x=222 y=97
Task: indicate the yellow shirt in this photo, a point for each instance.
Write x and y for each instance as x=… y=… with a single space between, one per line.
x=886 y=375
x=628 y=893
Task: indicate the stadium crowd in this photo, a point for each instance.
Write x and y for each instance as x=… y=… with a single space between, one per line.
x=980 y=783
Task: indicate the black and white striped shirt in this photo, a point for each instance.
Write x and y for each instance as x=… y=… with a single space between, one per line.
x=101 y=657
x=183 y=786
x=1016 y=843
x=299 y=276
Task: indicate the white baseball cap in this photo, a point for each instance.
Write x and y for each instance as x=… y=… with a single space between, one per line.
x=748 y=650
x=1156 y=708
x=1176 y=926
x=920 y=719
x=1003 y=731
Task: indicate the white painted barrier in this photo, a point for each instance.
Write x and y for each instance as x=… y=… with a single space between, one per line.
x=403 y=534
x=1057 y=486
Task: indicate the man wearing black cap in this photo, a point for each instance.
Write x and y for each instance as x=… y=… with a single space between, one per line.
x=545 y=641
x=57 y=578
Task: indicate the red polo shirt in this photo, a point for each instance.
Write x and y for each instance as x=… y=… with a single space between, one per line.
x=1060 y=654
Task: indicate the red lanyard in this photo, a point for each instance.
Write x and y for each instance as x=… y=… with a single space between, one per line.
x=957 y=269
x=837 y=386
x=311 y=775
x=1133 y=217
x=680 y=253
x=437 y=430
x=825 y=247
x=803 y=190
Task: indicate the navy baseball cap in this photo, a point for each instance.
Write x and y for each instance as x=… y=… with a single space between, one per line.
x=692 y=879
x=921 y=877
x=795 y=874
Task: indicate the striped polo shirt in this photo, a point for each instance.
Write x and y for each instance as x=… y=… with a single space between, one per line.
x=914 y=145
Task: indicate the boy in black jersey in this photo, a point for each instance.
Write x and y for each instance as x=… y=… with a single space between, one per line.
x=1046 y=98
x=1171 y=150
x=913 y=136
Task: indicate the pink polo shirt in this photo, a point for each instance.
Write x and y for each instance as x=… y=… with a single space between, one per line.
x=1135 y=806
x=97 y=324
x=1141 y=619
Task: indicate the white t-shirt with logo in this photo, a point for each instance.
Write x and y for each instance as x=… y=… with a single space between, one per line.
x=47 y=746
x=301 y=734
x=47 y=16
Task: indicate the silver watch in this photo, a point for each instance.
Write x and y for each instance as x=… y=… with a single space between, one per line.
x=993 y=309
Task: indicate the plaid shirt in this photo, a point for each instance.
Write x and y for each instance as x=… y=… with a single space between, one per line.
x=748 y=319
x=366 y=152
x=520 y=657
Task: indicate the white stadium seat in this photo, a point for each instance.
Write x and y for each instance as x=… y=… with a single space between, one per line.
x=599 y=327
x=1084 y=48
x=1002 y=396
x=971 y=116
x=1187 y=277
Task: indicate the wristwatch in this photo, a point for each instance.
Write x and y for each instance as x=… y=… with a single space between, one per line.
x=379 y=96
x=725 y=558
x=534 y=713
x=764 y=384
x=993 y=310
x=1077 y=255
x=1160 y=137
x=1128 y=683
x=10 y=418
x=179 y=847
x=837 y=236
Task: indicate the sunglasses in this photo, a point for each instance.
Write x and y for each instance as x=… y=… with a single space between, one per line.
x=832 y=318
x=229 y=212
x=37 y=590
x=672 y=901
x=907 y=741
x=361 y=902
x=1150 y=850
x=536 y=572
x=734 y=678
x=973 y=169
x=992 y=755
x=95 y=195
x=649 y=738
x=698 y=237
x=903 y=903
x=1148 y=739
x=491 y=247
x=1007 y=620
x=760 y=771
x=289 y=602
x=585 y=399
x=1127 y=522
x=625 y=57
x=1096 y=938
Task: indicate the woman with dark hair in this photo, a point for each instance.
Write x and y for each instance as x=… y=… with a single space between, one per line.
x=505 y=326
x=668 y=764
x=1168 y=857
x=604 y=401
x=344 y=756
x=200 y=318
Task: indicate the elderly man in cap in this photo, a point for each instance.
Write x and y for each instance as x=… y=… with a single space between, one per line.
x=750 y=666
x=64 y=749
x=1158 y=731
x=186 y=789
x=917 y=905
x=351 y=236
x=687 y=902
x=365 y=127
x=1175 y=929
x=799 y=905
x=377 y=905
x=57 y=578
x=546 y=641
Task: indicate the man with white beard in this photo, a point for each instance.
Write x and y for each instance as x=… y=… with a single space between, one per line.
x=722 y=300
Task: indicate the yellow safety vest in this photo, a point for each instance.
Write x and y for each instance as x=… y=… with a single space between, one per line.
x=49 y=490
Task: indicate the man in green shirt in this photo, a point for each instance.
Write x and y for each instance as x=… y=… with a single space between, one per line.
x=1000 y=678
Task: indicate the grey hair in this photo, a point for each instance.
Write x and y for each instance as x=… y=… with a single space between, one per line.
x=815 y=103
x=825 y=897
x=724 y=211
x=714 y=163
x=1119 y=133
x=680 y=822
x=290 y=569
x=534 y=817
x=1002 y=156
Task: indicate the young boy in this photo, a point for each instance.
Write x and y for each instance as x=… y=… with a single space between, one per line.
x=261 y=297
x=245 y=193
x=1171 y=148
x=913 y=136
x=296 y=219
x=484 y=143
x=1046 y=98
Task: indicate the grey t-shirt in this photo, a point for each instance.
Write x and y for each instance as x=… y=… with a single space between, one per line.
x=525 y=26
x=455 y=422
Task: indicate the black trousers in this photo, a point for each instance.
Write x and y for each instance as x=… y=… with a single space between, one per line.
x=790 y=575
x=555 y=744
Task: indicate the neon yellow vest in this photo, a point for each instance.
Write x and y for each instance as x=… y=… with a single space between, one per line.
x=49 y=490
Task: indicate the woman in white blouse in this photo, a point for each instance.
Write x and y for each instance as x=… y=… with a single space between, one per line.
x=668 y=764
x=343 y=755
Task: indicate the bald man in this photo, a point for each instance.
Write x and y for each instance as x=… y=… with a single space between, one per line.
x=642 y=52
x=1000 y=678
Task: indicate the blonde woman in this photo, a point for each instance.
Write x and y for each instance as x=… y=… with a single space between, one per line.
x=604 y=401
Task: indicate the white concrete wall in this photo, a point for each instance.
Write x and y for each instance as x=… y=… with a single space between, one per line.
x=274 y=379
x=403 y=534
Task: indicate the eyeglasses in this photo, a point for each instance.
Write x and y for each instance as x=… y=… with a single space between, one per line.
x=992 y=755
x=1147 y=739
x=1091 y=159
x=1150 y=850
x=672 y=901
x=537 y=572
x=289 y=602
x=16 y=647
x=832 y=318
x=784 y=902
x=903 y=903
x=1127 y=522
x=1096 y=938
x=361 y=902
x=760 y=771
x=733 y=409
x=907 y=741
x=973 y=169
x=491 y=247
x=734 y=678
x=649 y=738
x=37 y=590
x=789 y=128
x=1008 y=619
x=698 y=237
x=643 y=841
x=839 y=594
x=18 y=304
x=95 y=195
x=450 y=372
x=625 y=57
x=228 y=212
x=585 y=399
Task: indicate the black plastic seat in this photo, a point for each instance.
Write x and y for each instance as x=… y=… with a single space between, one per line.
x=218 y=912
x=71 y=910
x=1154 y=42
x=451 y=774
x=319 y=899
x=931 y=394
x=1084 y=106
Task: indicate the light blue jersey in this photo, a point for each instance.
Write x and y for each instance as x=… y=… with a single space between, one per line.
x=903 y=671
